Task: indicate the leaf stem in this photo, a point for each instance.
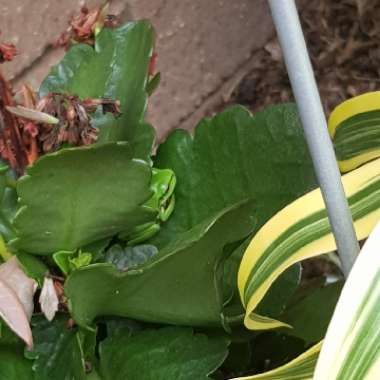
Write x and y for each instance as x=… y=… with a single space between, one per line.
x=4 y=253
x=10 y=182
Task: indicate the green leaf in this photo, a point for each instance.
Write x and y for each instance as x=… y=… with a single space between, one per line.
x=181 y=284
x=357 y=135
x=275 y=300
x=93 y=376
x=153 y=84
x=280 y=293
x=310 y=316
x=236 y=156
x=33 y=267
x=8 y=204
x=300 y=368
x=80 y=195
x=81 y=260
x=13 y=365
x=117 y=326
x=67 y=261
x=116 y=68
x=355 y=129
x=57 y=352
x=351 y=348
x=62 y=259
x=272 y=349
x=239 y=358
x=300 y=231
x=231 y=157
x=97 y=249
x=129 y=257
x=170 y=353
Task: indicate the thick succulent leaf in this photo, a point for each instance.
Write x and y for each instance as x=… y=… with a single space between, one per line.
x=153 y=84
x=181 y=284
x=116 y=68
x=93 y=375
x=235 y=156
x=57 y=352
x=8 y=204
x=311 y=314
x=116 y=326
x=351 y=350
x=169 y=353
x=33 y=267
x=13 y=365
x=16 y=299
x=354 y=126
x=238 y=359
x=129 y=257
x=278 y=295
x=301 y=368
x=232 y=157
x=300 y=231
x=273 y=349
x=80 y=195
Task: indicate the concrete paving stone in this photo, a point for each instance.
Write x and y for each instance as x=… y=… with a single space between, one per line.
x=32 y=65
x=32 y=26
x=203 y=47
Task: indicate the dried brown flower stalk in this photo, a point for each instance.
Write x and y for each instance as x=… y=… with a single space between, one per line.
x=39 y=126
x=12 y=147
x=7 y=52
x=84 y=27
x=35 y=126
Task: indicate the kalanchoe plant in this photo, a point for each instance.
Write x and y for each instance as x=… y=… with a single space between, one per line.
x=186 y=259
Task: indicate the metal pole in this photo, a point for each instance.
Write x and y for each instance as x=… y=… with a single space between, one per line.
x=289 y=31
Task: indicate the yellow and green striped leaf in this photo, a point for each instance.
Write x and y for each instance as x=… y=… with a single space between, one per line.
x=300 y=231
x=301 y=368
x=351 y=350
x=354 y=127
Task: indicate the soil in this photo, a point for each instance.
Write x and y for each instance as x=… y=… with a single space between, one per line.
x=344 y=45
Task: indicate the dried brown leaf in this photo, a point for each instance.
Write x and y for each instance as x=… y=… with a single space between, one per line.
x=16 y=299
x=48 y=299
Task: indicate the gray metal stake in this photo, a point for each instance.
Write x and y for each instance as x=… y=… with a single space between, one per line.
x=289 y=31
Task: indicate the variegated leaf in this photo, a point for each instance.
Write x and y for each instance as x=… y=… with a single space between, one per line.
x=354 y=126
x=351 y=350
x=300 y=368
x=300 y=231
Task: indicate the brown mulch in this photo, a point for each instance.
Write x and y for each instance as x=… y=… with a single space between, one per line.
x=344 y=43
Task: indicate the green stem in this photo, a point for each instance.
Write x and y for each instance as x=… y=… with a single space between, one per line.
x=10 y=182
x=4 y=253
